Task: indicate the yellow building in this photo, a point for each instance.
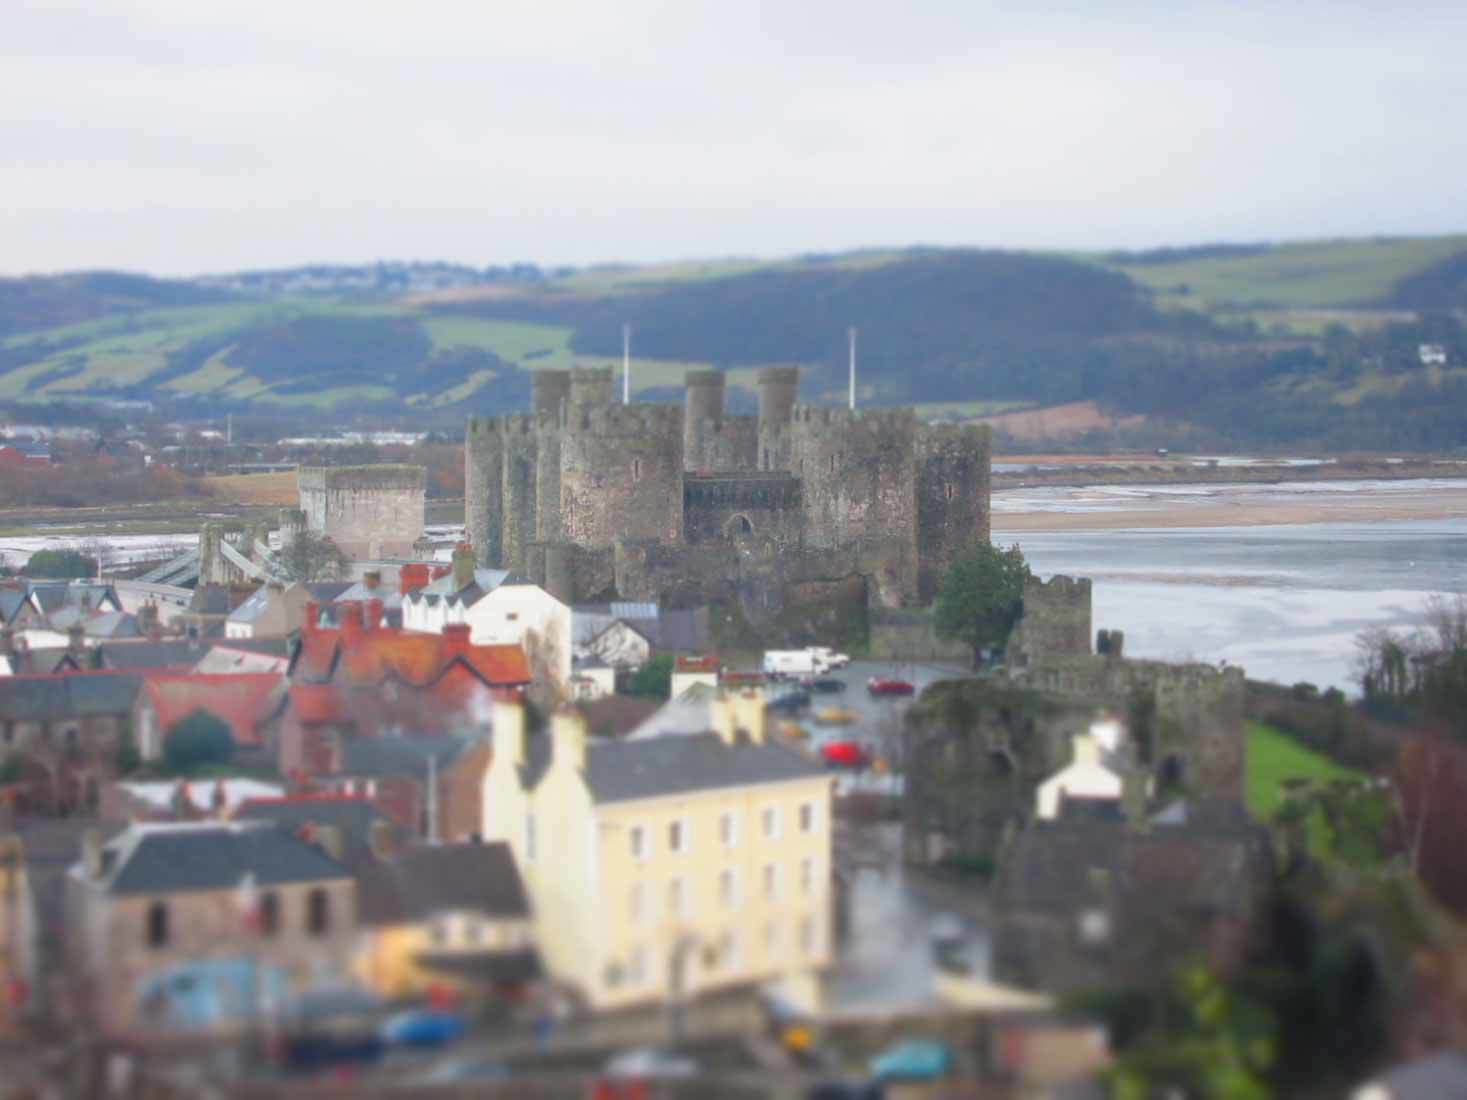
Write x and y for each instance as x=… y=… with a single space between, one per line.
x=671 y=866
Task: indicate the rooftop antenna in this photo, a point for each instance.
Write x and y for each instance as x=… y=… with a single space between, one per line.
x=626 y=364
x=851 y=334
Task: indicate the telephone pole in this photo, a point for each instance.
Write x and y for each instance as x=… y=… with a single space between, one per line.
x=851 y=334
x=626 y=364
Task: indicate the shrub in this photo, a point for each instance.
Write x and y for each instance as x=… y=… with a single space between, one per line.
x=61 y=565
x=653 y=679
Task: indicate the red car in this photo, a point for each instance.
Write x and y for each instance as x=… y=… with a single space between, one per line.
x=878 y=686
x=845 y=754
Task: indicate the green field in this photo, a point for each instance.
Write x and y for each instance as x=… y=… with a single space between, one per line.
x=1309 y=274
x=1274 y=758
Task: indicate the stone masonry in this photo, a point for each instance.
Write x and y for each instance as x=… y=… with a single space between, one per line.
x=370 y=512
x=591 y=498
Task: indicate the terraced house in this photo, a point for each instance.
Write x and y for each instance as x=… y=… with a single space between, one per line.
x=669 y=867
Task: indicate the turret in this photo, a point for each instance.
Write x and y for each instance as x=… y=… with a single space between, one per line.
x=590 y=388
x=703 y=411
x=551 y=390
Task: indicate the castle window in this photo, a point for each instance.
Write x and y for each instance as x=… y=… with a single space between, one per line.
x=947 y=491
x=832 y=463
x=636 y=469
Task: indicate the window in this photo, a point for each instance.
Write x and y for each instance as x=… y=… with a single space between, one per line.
x=807 y=935
x=947 y=491
x=512 y=617
x=727 y=888
x=638 y=903
x=807 y=874
x=530 y=839
x=637 y=970
x=728 y=830
x=639 y=842
x=807 y=817
x=771 y=822
x=728 y=951
x=676 y=897
x=771 y=938
x=318 y=912
x=613 y=975
x=269 y=913
x=636 y=469
x=771 y=881
x=158 y=924
x=677 y=837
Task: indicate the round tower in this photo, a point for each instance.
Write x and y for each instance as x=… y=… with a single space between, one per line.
x=703 y=409
x=778 y=389
x=590 y=388
x=483 y=489
x=550 y=390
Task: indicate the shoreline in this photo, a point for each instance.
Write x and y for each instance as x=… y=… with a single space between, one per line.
x=1222 y=510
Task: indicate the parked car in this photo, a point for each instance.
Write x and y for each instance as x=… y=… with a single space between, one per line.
x=790 y=701
x=422 y=1027
x=330 y=1027
x=845 y=754
x=827 y=685
x=649 y=1063
x=879 y=685
x=913 y=1060
x=829 y=657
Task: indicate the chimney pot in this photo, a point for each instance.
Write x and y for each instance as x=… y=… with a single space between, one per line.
x=350 y=616
x=372 y=579
x=412 y=577
x=455 y=639
x=464 y=564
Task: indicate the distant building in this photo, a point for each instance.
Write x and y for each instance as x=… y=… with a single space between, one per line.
x=671 y=867
x=1432 y=355
x=246 y=702
x=627 y=634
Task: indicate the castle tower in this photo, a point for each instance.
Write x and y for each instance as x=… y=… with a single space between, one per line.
x=519 y=491
x=779 y=387
x=621 y=471
x=550 y=390
x=702 y=414
x=484 y=485
x=952 y=498
x=590 y=388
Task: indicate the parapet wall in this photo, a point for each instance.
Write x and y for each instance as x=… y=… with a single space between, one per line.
x=1056 y=621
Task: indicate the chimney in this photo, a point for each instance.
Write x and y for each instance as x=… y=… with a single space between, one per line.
x=412 y=577
x=509 y=733
x=748 y=710
x=92 y=853
x=149 y=622
x=455 y=640
x=463 y=566
x=76 y=640
x=351 y=622
x=439 y=572
x=372 y=580
x=381 y=841
x=311 y=623
x=328 y=839
x=568 y=740
x=725 y=721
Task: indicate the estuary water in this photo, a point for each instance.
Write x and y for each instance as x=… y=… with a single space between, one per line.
x=1285 y=601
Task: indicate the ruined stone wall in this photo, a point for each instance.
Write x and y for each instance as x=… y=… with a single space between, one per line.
x=730 y=507
x=483 y=489
x=1056 y=621
x=908 y=634
x=953 y=464
x=368 y=511
x=621 y=472
x=1186 y=720
x=975 y=753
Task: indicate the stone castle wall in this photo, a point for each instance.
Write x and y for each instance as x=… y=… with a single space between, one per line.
x=1056 y=621
x=724 y=507
x=368 y=511
x=953 y=492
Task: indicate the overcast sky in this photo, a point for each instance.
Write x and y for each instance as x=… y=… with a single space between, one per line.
x=184 y=136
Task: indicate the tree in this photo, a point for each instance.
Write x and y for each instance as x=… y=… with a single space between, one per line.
x=310 y=556
x=654 y=678
x=982 y=597
x=61 y=565
x=196 y=740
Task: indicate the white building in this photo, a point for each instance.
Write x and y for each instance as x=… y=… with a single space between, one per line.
x=500 y=609
x=1089 y=776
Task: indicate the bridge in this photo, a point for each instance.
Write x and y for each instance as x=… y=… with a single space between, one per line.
x=218 y=560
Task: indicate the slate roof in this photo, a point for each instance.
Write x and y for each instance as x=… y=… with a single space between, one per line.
x=670 y=630
x=625 y=771
x=353 y=816
x=485 y=581
x=113 y=624
x=252 y=608
x=211 y=599
x=52 y=596
x=11 y=601
x=147 y=654
x=49 y=697
x=415 y=884
x=395 y=755
x=168 y=858
x=327 y=591
x=690 y=712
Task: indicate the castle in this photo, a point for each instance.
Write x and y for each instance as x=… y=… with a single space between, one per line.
x=591 y=498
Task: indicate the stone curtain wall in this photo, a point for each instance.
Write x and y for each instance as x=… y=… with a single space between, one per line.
x=953 y=464
x=1056 y=621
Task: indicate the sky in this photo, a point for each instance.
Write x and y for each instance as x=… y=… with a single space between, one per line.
x=181 y=137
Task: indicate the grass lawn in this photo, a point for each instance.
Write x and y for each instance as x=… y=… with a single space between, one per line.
x=1273 y=758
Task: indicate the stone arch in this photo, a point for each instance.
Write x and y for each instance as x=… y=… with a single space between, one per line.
x=738 y=526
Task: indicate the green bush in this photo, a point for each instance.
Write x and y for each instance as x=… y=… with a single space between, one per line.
x=654 y=679
x=197 y=741
x=61 y=565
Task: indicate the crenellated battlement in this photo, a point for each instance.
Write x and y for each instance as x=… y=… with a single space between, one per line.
x=627 y=420
x=838 y=419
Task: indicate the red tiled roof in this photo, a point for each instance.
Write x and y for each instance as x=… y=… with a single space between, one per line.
x=697 y=664
x=240 y=699
x=315 y=703
x=364 y=656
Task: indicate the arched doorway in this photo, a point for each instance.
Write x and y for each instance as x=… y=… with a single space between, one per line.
x=738 y=527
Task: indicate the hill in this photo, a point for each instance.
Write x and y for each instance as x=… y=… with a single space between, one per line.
x=1296 y=345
